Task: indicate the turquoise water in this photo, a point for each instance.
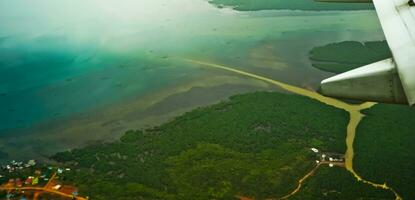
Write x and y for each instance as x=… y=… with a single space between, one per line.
x=62 y=58
x=47 y=78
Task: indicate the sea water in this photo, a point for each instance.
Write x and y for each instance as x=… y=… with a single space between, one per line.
x=61 y=58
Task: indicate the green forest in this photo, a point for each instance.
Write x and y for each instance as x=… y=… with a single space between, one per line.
x=337 y=183
x=384 y=140
x=255 y=145
x=255 y=5
x=384 y=147
x=348 y=55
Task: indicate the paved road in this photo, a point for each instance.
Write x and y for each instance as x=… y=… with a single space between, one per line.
x=47 y=189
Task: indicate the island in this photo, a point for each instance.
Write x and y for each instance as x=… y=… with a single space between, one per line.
x=255 y=5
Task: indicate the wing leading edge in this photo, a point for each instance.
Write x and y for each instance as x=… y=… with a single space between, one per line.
x=391 y=80
x=375 y=82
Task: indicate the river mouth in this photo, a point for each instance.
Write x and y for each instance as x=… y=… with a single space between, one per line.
x=73 y=80
x=355 y=117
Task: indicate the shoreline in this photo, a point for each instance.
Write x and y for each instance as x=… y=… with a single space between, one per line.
x=111 y=122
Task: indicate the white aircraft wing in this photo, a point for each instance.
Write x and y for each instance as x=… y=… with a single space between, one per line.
x=391 y=80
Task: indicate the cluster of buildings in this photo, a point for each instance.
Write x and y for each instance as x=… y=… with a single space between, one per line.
x=35 y=178
x=17 y=182
x=331 y=159
x=15 y=166
x=20 y=178
x=22 y=169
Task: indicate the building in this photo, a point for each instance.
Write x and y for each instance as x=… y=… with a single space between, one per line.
x=29 y=180
x=314 y=150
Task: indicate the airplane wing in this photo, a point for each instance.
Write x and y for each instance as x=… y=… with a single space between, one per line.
x=391 y=80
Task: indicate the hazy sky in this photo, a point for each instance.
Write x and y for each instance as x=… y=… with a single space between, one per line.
x=17 y=16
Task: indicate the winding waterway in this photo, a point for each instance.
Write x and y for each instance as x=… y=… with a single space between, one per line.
x=69 y=69
x=60 y=62
x=355 y=116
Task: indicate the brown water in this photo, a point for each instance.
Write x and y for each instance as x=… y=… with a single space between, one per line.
x=98 y=67
x=354 y=113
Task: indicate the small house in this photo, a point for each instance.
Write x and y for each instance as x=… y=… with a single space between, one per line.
x=29 y=180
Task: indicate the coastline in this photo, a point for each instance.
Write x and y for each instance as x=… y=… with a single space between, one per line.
x=109 y=123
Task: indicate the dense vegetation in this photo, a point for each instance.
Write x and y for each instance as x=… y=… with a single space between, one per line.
x=254 y=145
x=384 y=141
x=337 y=183
x=345 y=56
x=254 y=5
x=384 y=147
